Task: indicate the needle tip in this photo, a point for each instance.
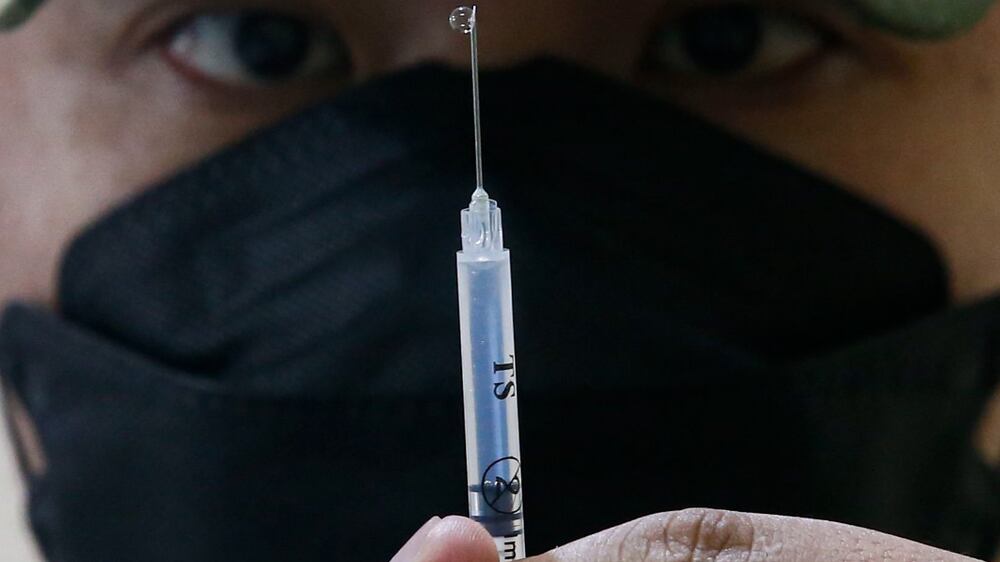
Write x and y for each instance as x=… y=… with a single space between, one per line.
x=463 y=19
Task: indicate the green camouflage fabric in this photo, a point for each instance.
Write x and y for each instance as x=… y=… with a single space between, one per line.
x=923 y=19
x=917 y=19
x=15 y=12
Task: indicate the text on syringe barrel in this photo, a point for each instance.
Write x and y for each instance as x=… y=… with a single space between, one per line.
x=490 y=384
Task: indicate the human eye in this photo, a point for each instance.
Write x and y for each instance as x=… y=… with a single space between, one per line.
x=735 y=41
x=254 y=48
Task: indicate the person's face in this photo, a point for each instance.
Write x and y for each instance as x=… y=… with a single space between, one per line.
x=102 y=97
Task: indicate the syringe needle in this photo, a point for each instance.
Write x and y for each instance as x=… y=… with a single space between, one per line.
x=464 y=19
x=489 y=369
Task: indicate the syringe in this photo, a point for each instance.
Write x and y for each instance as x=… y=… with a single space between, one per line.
x=493 y=448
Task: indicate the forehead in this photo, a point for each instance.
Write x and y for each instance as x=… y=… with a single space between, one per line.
x=928 y=19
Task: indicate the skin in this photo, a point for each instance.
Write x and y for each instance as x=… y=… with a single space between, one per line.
x=702 y=535
x=100 y=108
x=92 y=111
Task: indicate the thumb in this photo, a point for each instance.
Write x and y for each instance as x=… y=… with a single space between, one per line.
x=725 y=536
x=453 y=539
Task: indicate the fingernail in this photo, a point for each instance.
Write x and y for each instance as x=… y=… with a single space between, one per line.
x=411 y=549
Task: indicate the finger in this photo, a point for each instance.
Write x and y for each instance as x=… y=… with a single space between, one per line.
x=456 y=539
x=703 y=535
x=412 y=548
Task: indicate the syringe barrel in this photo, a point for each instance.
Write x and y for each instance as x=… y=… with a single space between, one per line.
x=490 y=386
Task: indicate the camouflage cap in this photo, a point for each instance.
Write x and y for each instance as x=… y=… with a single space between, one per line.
x=15 y=12
x=923 y=19
x=920 y=19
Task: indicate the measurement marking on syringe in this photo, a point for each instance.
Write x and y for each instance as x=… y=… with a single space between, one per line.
x=497 y=489
x=510 y=548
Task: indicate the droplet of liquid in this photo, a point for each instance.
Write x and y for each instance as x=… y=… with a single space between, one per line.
x=463 y=19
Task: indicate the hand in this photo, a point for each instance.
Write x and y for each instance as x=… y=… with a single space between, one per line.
x=694 y=535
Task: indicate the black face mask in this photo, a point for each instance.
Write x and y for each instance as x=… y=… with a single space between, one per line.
x=259 y=359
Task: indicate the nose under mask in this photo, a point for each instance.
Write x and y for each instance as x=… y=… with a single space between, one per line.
x=359 y=197
x=259 y=359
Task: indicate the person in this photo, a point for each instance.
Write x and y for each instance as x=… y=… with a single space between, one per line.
x=755 y=255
